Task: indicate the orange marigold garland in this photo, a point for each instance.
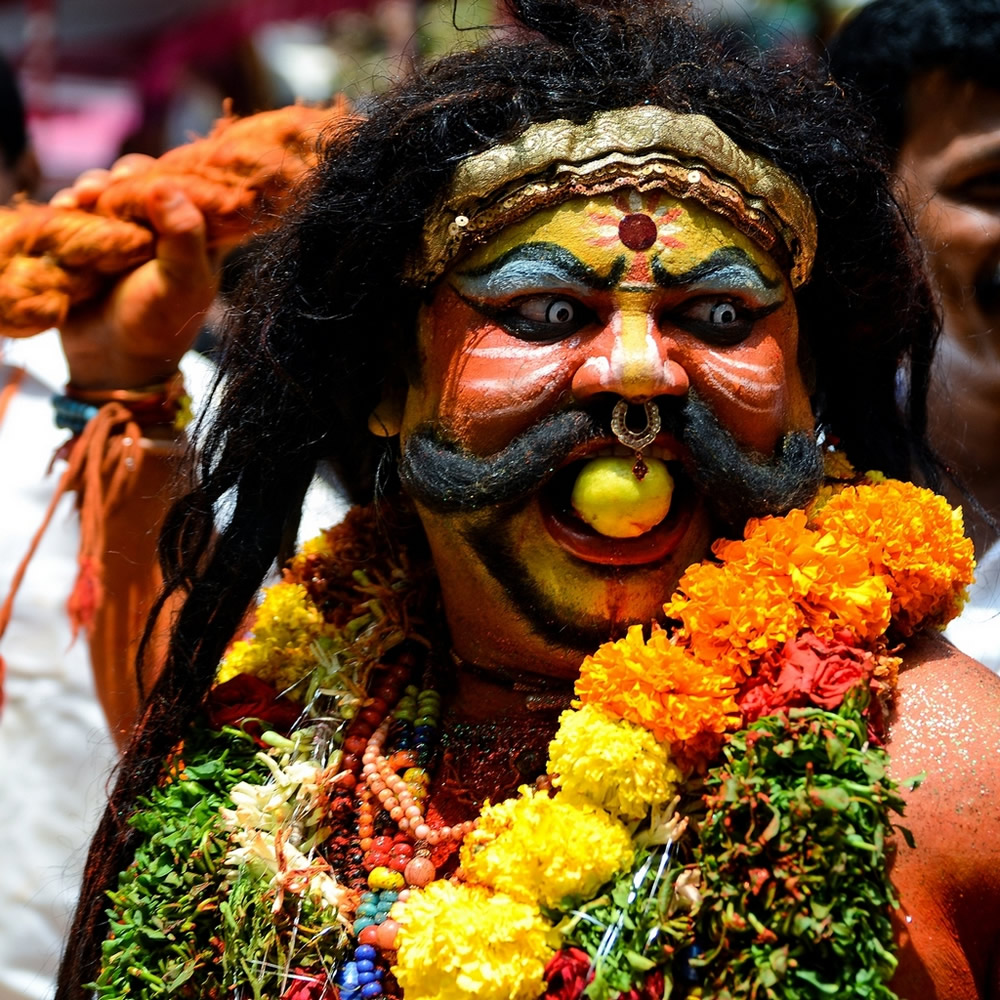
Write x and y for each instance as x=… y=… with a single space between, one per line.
x=783 y=578
x=660 y=686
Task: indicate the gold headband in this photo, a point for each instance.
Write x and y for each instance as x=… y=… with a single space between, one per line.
x=646 y=148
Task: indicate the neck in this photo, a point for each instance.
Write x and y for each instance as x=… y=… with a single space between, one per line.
x=484 y=693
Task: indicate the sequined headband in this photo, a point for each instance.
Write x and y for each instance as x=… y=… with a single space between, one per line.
x=645 y=148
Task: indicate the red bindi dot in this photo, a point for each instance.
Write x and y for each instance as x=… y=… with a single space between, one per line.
x=637 y=232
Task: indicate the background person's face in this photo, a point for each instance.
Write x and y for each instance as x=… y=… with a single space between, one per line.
x=949 y=164
x=613 y=297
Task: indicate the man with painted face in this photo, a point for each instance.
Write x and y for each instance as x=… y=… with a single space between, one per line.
x=929 y=75
x=621 y=299
x=564 y=311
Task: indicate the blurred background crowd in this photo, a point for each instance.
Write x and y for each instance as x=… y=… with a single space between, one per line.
x=105 y=77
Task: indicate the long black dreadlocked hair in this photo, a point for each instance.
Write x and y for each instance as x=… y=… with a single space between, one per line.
x=324 y=322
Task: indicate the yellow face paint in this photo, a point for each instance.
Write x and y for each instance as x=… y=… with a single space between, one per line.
x=634 y=296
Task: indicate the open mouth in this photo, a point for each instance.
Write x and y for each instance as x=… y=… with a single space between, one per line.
x=579 y=539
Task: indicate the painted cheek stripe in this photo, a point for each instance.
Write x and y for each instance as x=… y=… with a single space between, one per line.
x=527 y=352
x=521 y=378
x=765 y=397
x=721 y=361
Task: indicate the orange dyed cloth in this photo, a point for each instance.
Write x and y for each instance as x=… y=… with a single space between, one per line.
x=241 y=177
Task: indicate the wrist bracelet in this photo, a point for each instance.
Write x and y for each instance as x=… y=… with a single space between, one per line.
x=71 y=414
x=163 y=404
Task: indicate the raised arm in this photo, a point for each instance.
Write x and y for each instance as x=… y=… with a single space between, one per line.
x=125 y=347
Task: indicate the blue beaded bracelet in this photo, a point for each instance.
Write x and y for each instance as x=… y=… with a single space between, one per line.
x=72 y=414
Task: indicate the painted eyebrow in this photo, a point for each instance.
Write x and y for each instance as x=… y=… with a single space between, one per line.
x=728 y=269
x=536 y=266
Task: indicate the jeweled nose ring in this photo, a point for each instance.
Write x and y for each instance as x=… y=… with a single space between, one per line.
x=636 y=439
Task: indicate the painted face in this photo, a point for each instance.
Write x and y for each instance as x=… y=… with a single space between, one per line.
x=616 y=297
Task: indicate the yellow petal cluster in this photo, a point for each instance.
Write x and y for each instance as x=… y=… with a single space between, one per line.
x=660 y=686
x=914 y=539
x=781 y=579
x=615 y=764
x=543 y=850
x=318 y=546
x=286 y=624
x=462 y=942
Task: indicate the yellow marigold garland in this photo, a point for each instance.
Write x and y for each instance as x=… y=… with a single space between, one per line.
x=860 y=554
x=459 y=942
x=286 y=624
x=523 y=847
x=613 y=763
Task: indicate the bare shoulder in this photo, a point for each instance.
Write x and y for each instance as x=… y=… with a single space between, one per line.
x=947 y=727
x=947 y=723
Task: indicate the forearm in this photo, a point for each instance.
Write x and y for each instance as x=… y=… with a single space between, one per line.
x=131 y=583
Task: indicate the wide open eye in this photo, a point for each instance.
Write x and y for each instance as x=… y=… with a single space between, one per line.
x=544 y=317
x=557 y=312
x=716 y=320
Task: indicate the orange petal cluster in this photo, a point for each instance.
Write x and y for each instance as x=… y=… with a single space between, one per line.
x=913 y=539
x=783 y=578
x=660 y=686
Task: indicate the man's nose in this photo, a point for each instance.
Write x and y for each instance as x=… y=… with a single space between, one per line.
x=632 y=359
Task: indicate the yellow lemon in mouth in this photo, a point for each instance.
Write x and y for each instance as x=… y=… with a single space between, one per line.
x=608 y=496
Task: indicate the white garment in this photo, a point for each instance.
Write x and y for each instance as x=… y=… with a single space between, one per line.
x=976 y=632
x=55 y=749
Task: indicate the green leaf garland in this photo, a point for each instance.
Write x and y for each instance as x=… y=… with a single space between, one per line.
x=796 y=901
x=164 y=922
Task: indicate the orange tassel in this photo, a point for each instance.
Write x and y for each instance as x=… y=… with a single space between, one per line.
x=101 y=464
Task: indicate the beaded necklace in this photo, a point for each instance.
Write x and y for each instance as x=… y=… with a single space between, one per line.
x=625 y=868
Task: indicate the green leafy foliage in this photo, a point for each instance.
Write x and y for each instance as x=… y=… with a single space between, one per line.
x=164 y=922
x=632 y=927
x=796 y=895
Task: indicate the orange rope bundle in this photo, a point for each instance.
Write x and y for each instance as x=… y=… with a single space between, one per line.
x=240 y=177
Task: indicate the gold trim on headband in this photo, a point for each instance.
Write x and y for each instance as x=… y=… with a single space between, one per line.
x=645 y=147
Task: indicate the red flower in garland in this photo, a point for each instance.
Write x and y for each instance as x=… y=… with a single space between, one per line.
x=247 y=697
x=807 y=671
x=651 y=988
x=567 y=974
x=307 y=986
x=820 y=672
